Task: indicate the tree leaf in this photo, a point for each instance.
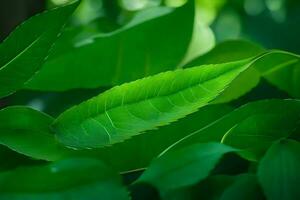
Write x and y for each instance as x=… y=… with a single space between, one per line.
x=132 y=52
x=184 y=167
x=281 y=69
x=10 y=159
x=228 y=51
x=209 y=189
x=66 y=179
x=257 y=132
x=245 y=187
x=278 y=171
x=26 y=48
x=138 y=152
x=129 y=109
x=285 y=111
x=26 y=131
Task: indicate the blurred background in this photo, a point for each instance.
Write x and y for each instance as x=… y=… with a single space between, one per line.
x=272 y=23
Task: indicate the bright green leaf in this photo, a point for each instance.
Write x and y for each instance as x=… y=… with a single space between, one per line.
x=138 y=152
x=132 y=108
x=278 y=171
x=25 y=49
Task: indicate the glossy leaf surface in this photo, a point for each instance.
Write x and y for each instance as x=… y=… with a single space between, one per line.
x=129 y=109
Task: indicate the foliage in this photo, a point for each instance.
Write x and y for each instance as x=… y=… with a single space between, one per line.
x=151 y=121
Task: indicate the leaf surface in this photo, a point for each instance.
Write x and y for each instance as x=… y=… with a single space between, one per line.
x=132 y=108
x=184 y=167
x=252 y=127
x=278 y=171
x=27 y=131
x=65 y=179
x=25 y=49
x=155 y=41
x=139 y=151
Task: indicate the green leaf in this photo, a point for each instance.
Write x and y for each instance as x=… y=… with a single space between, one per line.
x=257 y=132
x=230 y=51
x=138 y=152
x=26 y=131
x=184 y=167
x=129 y=53
x=25 y=49
x=245 y=187
x=66 y=179
x=10 y=159
x=132 y=108
x=258 y=124
x=281 y=69
x=209 y=189
x=278 y=171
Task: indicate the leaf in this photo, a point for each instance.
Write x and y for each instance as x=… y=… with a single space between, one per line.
x=278 y=171
x=283 y=114
x=132 y=108
x=26 y=131
x=129 y=53
x=66 y=179
x=257 y=132
x=245 y=187
x=138 y=152
x=209 y=189
x=10 y=159
x=228 y=51
x=281 y=69
x=26 y=48
x=184 y=167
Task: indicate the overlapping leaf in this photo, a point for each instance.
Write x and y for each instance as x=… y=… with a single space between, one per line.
x=278 y=171
x=137 y=50
x=66 y=179
x=27 y=131
x=26 y=48
x=129 y=109
x=196 y=163
x=252 y=127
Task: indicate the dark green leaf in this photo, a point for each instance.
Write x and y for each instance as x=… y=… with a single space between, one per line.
x=269 y=116
x=278 y=171
x=26 y=48
x=281 y=69
x=67 y=179
x=26 y=131
x=228 y=51
x=137 y=50
x=138 y=152
x=245 y=187
x=184 y=167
